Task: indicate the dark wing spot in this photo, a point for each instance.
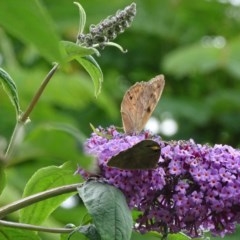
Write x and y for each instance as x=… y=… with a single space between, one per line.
x=130 y=96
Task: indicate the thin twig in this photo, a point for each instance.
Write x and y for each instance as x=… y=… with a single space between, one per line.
x=24 y=117
x=34 y=227
x=14 y=140
x=12 y=207
x=38 y=94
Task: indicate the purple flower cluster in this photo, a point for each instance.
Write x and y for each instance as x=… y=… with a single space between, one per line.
x=133 y=183
x=195 y=187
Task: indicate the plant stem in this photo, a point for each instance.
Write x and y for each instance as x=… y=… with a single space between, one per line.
x=34 y=227
x=38 y=94
x=36 y=198
x=17 y=136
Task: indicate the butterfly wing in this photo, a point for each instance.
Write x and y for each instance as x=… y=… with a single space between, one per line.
x=139 y=103
x=130 y=108
x=143 y=155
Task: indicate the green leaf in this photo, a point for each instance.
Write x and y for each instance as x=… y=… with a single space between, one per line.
x=82 y=17
x=7 y=233
x=29 y=21
x=90 y=232
x=11 y=89
x=113 y=44
x=67 y=128
x=146 y=236
x=191 y=59
x=108 y=208
x=179 y=236
x=233 y=57
x=86 y=162
x=2 y=178
x=74 y=50
x=83 y=56
x=155 y=235
x=44 y=179
x=94 y=70
x=78 y=233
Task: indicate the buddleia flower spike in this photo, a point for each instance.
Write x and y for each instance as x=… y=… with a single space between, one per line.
x=101 y=34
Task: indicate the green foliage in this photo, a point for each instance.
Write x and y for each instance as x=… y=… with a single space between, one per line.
x=45 y=179
x=83 y=56
x=2 y=178
x=82 y=18
x=86 y=232
x=176 y=38
x=73 y=50
x=10 y=233
x=11 y=89
x=109 y=210
x=31 y=23
x=94 y=71
x=155 y=235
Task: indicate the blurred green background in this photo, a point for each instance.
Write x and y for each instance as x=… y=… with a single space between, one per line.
x=195 y=44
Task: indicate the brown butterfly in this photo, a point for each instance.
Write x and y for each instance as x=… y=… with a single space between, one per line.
x=143 y=155
x=137 y=106
x=139 y=103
